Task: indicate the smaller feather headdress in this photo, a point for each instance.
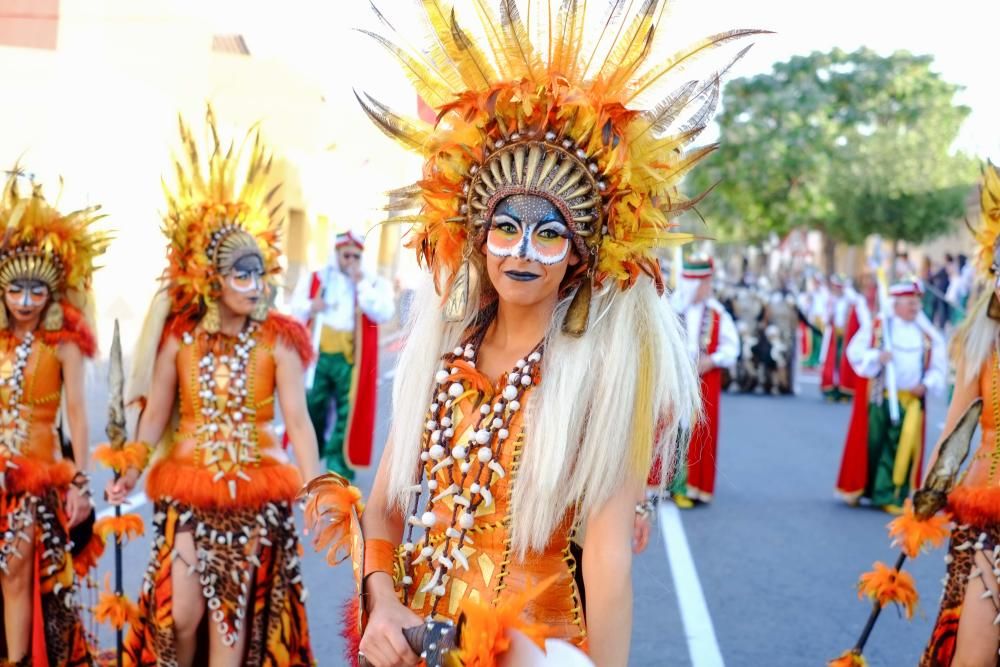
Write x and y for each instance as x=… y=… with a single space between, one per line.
x=219 y=210
x=37 y=242
x=988 y=230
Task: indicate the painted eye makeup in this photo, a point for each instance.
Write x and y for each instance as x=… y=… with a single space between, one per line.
x=246 y=281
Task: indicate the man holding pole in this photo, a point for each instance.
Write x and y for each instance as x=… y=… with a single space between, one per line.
x=343 y=308
x=904 y=357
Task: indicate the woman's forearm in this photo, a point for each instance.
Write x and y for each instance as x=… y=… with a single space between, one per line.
x=609 y=610
x=303 y=439
x=77 y=415
x=607 y=576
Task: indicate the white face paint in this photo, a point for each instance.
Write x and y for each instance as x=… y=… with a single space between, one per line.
x=247 y=275
x=529 y=228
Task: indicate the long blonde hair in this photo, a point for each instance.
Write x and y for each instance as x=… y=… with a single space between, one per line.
x=608 y=403
x=976 y=337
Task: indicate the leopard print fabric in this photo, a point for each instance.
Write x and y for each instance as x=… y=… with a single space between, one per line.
x=247 y=563
x=41 y=519
x=966 y=542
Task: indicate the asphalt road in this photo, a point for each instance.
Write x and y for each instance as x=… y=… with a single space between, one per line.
x=776 y=556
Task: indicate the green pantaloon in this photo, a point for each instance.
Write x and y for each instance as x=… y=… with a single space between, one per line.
x=332 y=382
x=883 y=443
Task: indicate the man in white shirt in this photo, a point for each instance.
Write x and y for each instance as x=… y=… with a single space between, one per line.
x=895 y=451
x=714 y=344
x=343 y=308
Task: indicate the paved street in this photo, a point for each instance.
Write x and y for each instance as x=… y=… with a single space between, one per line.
x=776 y=556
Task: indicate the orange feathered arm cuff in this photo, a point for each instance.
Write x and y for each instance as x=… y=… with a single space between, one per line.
x=131 y=455
x=332 y=511
x=380 y=556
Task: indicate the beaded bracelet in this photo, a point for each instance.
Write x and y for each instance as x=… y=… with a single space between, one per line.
x=82 y=483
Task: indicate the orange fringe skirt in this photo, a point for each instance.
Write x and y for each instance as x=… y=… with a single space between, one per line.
x=57 y=634
x=246 y=556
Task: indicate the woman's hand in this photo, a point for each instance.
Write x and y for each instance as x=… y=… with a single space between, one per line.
x=117 y=490
x=383 y=643
x=77 y=505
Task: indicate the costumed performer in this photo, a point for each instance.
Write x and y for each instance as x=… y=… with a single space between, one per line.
x=966 y=631
x=343 y=306
x=896 y=450
x=851 y=478
x=836 y=378
x=46 y=264
x=714 y=344
x=211 y=361
x=526 y=419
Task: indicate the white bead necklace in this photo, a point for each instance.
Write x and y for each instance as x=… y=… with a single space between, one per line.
x=226 y=430
x=440 y=450
x=13 y=415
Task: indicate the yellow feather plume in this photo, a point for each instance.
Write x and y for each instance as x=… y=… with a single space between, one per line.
x=573 y=96
x=989 y=222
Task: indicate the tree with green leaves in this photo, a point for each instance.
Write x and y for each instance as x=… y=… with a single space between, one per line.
x=851 y=144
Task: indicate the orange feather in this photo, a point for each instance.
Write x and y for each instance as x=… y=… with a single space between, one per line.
x=886 y=585
x=124 y=527
x=330 y=504
x=914 y=535
x=113 y=609
x=484 y=629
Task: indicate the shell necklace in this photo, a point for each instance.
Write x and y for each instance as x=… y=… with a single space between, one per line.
x=471 y=472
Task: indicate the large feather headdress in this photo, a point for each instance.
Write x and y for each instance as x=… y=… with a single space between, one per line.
x=988 y=231
x=38 y=242
x=557 y=117
x=217 y=211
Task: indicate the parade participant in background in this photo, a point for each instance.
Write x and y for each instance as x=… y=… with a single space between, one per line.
x=557 y=374
x=966 y=632
x=813 y=302
x=895 y=450
x=210 y=362
x=343 y=306
x=713 y=344
x=851 y=479
x=46 y=264
x=834 y=383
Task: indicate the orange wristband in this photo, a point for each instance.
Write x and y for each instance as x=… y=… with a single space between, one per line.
x=380 y=556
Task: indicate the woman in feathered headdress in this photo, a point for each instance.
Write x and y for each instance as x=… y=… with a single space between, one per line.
x=212 y=359
x=966 y=631
x=46 y=264
x=540 y=381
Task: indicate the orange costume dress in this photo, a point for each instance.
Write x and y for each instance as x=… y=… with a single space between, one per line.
x=35 y=481
x=224 y=478
x=466 y=551
x=975 y=506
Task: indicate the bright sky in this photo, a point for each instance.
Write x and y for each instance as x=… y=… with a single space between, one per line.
x=315 y=38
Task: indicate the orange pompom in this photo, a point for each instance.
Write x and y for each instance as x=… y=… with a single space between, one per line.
x=131 y=455
x=914 y=535
x=330 y=506
x=885 y=585
x=124 y=527
x=484 y=629
x=113 y=609
x=849 y=659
